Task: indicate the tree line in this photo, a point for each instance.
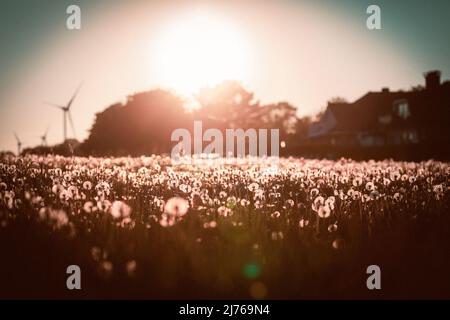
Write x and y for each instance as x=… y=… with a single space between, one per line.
x=144 y=123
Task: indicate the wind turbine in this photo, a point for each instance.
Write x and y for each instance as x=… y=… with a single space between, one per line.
x=66 y=113
x=19 y=144
x=44 y=137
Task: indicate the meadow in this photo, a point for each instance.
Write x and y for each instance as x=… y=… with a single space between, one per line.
x=223 y=228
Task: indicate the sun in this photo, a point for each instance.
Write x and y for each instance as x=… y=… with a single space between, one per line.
x=200 y=50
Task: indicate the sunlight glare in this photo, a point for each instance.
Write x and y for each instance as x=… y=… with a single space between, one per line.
x=201 y=50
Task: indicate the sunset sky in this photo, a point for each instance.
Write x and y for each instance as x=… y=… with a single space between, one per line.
x=302 y=52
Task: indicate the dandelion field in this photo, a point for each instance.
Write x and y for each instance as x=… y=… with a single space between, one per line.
x=249 y=228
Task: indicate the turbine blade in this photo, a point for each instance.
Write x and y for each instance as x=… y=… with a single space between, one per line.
x=74 y=95
x=17 y=137
x=53 y=105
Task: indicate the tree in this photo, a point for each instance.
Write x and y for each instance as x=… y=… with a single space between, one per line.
x=227 y=102
x=142 y=126
x=337 y=99
x=233 y=106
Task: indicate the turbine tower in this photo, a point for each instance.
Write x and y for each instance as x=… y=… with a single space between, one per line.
x=19 y=144
x=66 y=113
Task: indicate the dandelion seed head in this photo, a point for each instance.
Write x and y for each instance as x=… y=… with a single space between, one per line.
x=357 y=181
x=318 y=203
x=176 y=206
x=253 y=187
x=338 y=244
x=332 y=227
x=130 y=267
x=105 y=268
x=245 y=202
x=87 y=185
x=303 y=223
x=324 y=211
x=314 y=192
x=120 y=209
x=275 y=214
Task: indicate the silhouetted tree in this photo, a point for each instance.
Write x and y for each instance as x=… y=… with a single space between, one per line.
x=228 y=103
x=280 y=115
x=338 y=100
x=302 y=126
x=142 y=126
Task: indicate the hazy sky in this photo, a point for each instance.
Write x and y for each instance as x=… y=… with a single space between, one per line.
x=303 y=52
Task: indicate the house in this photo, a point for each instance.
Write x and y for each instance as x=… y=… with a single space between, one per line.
x=389 y=118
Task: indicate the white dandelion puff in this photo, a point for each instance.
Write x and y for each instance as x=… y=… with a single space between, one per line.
x=120 y=209
x=176 y=206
